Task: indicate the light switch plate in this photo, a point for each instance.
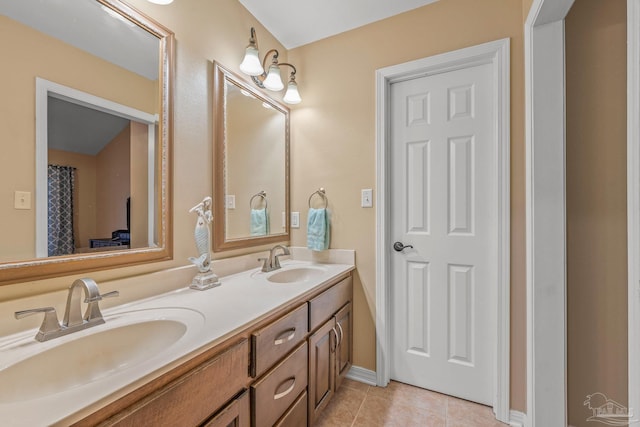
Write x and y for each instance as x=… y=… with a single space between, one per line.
x=295 y=219
x=22 y=200
x=231 y=201
x=367 y=198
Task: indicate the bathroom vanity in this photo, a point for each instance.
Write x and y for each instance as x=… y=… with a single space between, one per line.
x=280 y=371
x=262 y=349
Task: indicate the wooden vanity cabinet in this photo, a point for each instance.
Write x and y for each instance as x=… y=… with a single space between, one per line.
x=279 y=371
x=274 y=393
x=235 y=414
x=274 y=341
x=192 y=398
x=330 y=346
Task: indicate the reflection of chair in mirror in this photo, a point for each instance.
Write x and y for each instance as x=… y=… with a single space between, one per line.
x=259 y=214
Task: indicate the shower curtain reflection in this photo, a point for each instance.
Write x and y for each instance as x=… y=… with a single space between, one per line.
x=60 y=182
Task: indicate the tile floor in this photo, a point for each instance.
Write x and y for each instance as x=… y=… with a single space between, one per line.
x=400 y=405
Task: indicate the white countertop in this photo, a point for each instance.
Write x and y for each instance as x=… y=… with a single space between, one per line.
x=213 y=315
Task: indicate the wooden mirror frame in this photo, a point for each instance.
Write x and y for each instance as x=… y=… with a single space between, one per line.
x=43 y=268
x=220 y=242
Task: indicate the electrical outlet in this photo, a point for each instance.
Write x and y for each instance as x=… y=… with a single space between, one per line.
x=367 y=198
x=295 y=219
x=22 y=200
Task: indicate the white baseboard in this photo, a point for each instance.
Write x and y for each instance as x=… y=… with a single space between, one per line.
x=362 y=375
x=517 y=419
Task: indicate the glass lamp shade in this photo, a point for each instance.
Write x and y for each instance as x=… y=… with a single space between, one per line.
x=292 y=96
x=273 y=80
x=161 y=1
x=251 y=63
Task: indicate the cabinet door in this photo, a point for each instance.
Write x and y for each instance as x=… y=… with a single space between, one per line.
x=236 y=414
x=344 y=349
x=321 y=368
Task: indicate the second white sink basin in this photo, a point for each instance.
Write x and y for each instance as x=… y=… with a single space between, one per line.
x=296 y=274
x=123 y=342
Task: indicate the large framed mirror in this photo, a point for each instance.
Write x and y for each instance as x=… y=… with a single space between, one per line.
x=251 y=165
x=86 y=118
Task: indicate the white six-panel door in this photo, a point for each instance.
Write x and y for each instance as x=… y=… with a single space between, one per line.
x=444 y=204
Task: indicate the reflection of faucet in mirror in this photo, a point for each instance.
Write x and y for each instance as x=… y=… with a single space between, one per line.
x=73 y=319
x=205 y=279
x=272 y=262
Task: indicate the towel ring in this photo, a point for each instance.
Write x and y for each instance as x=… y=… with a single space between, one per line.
x=262 y=194
x=320 y=192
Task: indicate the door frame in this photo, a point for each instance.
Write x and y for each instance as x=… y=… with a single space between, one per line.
x=495 y=53
x=545 y=212
x=633 y=199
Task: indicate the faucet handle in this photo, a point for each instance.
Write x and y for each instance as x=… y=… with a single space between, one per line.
x=265 y=263
x=100 y=297
x=49 y=323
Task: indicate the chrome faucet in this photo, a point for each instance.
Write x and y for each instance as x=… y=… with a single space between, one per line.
x=273 y=263
x=73 y=319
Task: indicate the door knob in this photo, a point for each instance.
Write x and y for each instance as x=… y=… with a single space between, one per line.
x=399 y=247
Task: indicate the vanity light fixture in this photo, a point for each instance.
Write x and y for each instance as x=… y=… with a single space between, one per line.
x=163 y=2
x=271 y=78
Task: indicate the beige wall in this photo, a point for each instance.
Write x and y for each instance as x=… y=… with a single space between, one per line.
x=333 y=131
x=113 y=184
x=27 y=54
x=333 y=139
x=84 y=200
x=139 y=185
x=596 y=203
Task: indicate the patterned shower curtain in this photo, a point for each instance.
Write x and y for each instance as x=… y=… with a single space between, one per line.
x=60 y=213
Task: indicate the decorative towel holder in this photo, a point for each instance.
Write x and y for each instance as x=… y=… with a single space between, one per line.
x=320 y=192
x=262 y=194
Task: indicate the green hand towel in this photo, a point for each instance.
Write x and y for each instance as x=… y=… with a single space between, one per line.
x=318 y=229
x=259 y=222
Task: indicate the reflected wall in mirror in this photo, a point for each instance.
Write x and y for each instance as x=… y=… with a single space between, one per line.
x=251 y=165
x=86 y=119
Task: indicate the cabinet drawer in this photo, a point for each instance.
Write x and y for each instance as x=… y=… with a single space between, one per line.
x=192 y=398
x=327 y=303
x=273 y=342
x=235 y=414
x=296 y=416
x=276 y=391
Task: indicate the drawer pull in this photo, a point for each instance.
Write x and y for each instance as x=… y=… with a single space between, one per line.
x=281 y=339
x=341 y=333
x=335 y=340
x=287 y=391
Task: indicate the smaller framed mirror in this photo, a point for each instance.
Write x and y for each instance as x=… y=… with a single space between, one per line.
x=251 y=165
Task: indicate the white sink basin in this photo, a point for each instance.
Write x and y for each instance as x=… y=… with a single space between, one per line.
x=127 y=340
x=296 y=274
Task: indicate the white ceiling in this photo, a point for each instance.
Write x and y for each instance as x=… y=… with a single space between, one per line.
x=298 y=22
x=87 y=26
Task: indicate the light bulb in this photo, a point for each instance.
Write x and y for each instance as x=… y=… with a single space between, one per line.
x=292 y=96
x=251 y=63
x=273 y=80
